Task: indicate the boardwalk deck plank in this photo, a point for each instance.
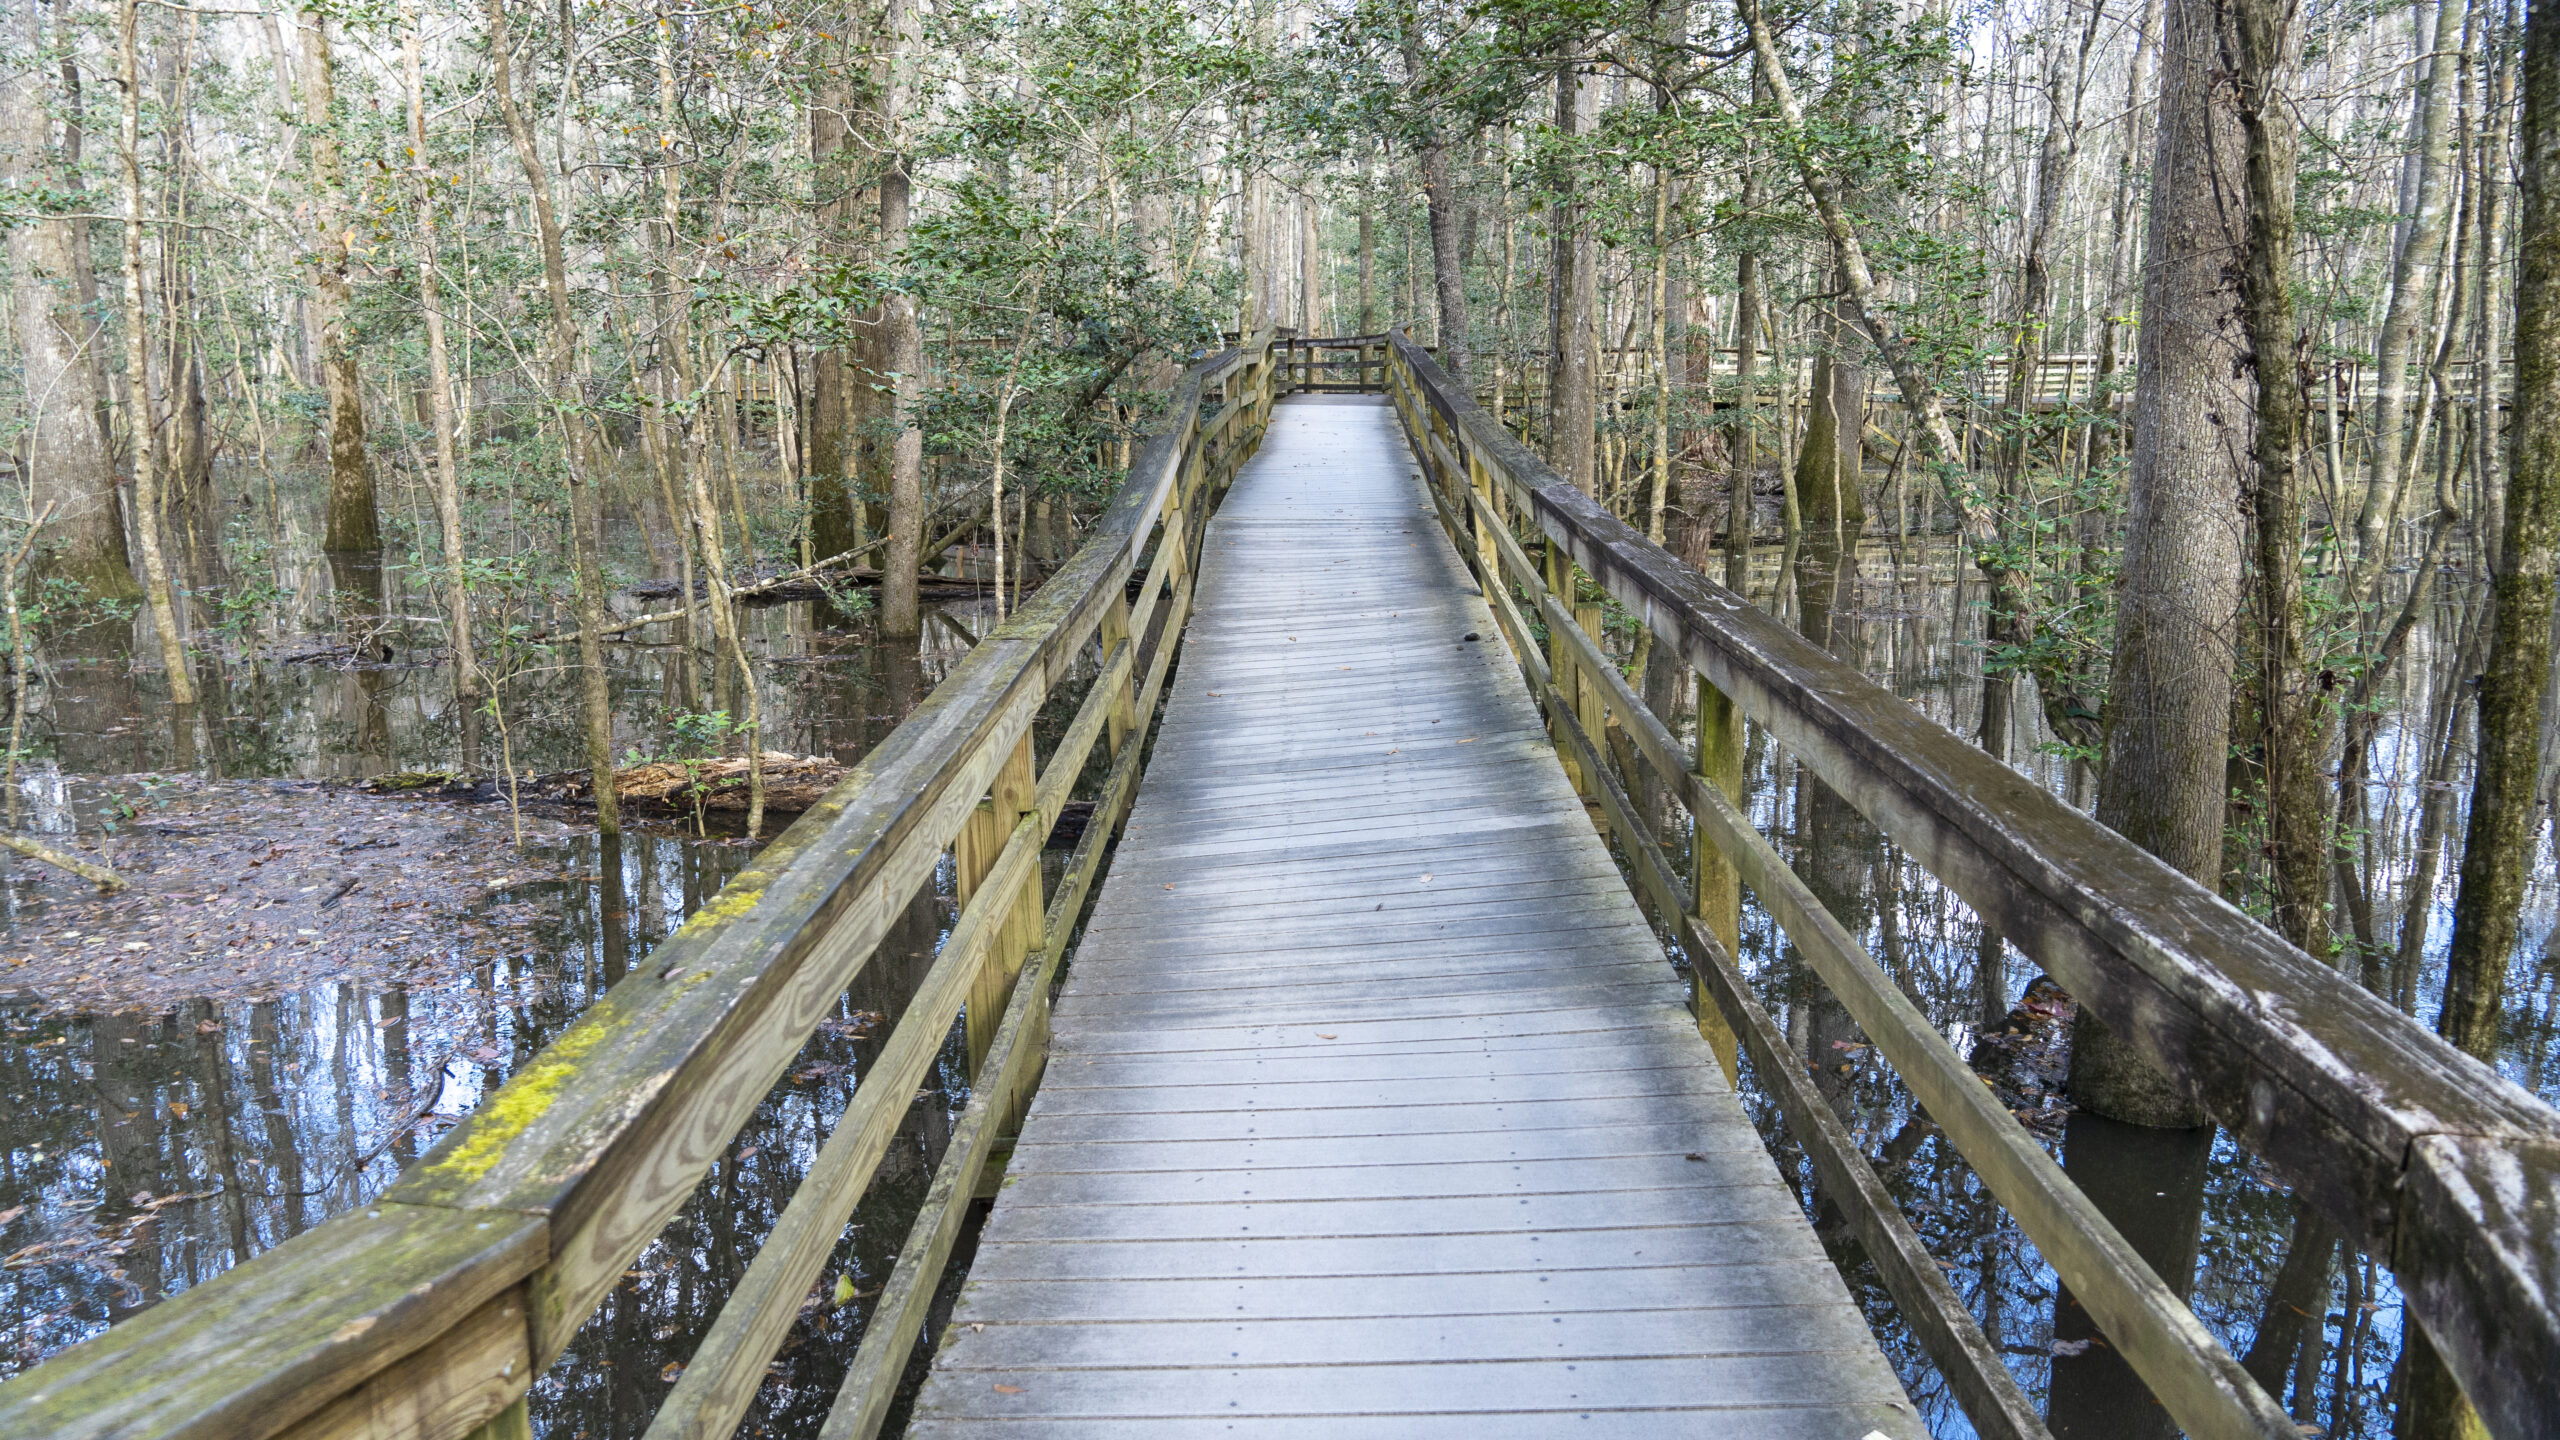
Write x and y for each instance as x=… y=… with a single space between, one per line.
x=1372 y=1107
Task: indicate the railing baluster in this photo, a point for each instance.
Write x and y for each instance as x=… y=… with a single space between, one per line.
x=1713 y=880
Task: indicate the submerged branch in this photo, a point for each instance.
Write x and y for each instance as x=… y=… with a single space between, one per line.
x=98 y=875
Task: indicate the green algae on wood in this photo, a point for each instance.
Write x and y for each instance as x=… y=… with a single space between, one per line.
x=523 y=1099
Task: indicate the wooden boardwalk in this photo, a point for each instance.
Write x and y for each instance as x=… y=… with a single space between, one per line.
x=1373 y=1108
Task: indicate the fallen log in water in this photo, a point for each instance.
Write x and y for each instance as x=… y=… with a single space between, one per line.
x=792 y=783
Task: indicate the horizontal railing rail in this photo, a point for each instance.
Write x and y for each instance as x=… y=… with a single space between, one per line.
x=1340 y=364
x=2434 y=1163
x=428 y=1313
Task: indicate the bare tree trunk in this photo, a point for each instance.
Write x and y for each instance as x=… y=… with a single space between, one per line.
x=2497 y=846
x=137 y=353
x=1368 y=263
x=354 y=525
x=900 y=612
x=2488 y=340
x=70 y=473
x=1310 y=269
x=2413 y=293
x=466 y=673
x=1743 y=458
x=1440 y=200
x=2119 y=209
x=596 y=690
x=1573 y=303
x=836 y=521
x=1661 y=498
x=2169 y=704
x=2064 y=86
x=2292 y=711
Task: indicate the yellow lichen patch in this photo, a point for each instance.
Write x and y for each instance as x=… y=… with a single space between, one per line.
x=522 y=1101
x=732 y=903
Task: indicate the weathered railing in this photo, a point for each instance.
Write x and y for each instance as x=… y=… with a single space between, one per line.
x=2424 y=1156
x=427 y=1313
x=1343 y=364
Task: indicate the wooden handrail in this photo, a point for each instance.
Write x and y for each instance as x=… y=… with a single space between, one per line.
x=2428 y=1158
x=428 y=1312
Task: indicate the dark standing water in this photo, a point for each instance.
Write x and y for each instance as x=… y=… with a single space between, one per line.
x=148 y=1149
x=1914 y=625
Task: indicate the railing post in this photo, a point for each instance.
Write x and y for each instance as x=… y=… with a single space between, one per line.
x=1488 y=556
x=1560 y=666
x=1713 y=880
x=1588 y=705
x=982 y=838
x=1124 y=705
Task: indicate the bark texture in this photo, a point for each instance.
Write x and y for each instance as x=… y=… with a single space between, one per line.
x=354 y=526
x=901 y=353
x=2413 y=293
x=2498 y=846
x=1573 y=309
x=2293 y=712
x=1448 y=272
x=2169 y=704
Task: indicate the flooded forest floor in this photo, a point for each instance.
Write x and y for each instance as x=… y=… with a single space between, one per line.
x=308 y=982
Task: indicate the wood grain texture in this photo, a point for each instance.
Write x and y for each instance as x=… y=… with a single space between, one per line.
x=260 y=1347
x=1372 y=1099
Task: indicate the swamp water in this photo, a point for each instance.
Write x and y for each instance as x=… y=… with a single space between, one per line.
x=169 y=1116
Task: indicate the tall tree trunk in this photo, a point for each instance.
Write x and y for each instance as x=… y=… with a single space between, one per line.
x=84 y=273
x=596 y=690
x=1743 y=455
x=1661 y=338
x=2498 y=844
x=2413 y=294
x=1368 y=264
x=2105 y=438
x=2169 y=703
x=1573 y=304
x=354 y=526
x=2292 y=711
x=466 y=671
x=903 y=350
x=71 y=474
x=195 y=523
x=1440 y=201
x=137 y=352
x=2489 y=314
x=836 y=520
x=1827 y=467
x=1310 y=270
